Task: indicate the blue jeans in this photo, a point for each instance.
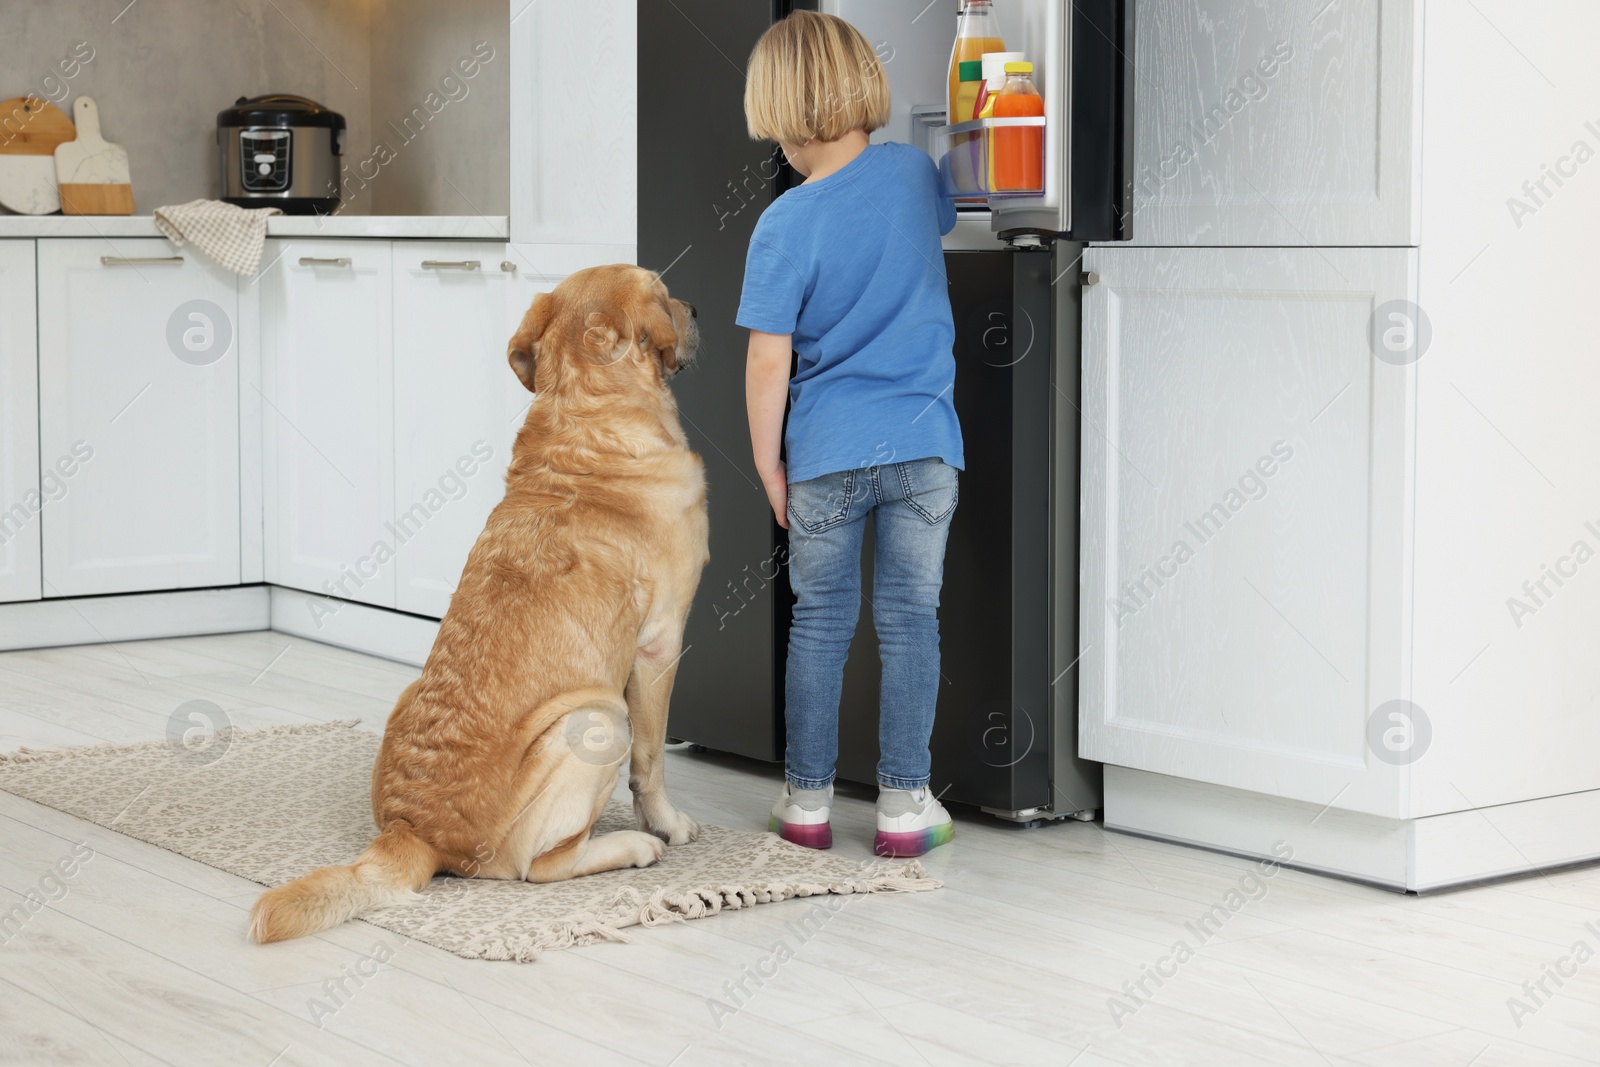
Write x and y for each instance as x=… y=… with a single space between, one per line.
x=913 y=503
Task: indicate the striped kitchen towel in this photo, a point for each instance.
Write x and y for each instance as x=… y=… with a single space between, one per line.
x=233 y=236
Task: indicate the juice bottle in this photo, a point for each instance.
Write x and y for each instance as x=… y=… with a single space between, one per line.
x=967 y=92
x=977 y=32
x=1017 y=153
x=994 y=79
x=966 y=148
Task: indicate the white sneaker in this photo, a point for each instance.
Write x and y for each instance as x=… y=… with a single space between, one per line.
x=910 y=822
x=801 y=816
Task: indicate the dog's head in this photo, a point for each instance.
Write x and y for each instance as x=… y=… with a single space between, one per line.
x=601 y=330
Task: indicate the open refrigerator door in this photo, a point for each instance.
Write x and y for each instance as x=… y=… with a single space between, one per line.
x=1080 y=55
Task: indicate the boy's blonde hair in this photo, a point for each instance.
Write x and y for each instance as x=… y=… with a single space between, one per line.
x=814 y=78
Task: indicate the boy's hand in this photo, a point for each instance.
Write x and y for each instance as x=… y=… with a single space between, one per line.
x=776 y=483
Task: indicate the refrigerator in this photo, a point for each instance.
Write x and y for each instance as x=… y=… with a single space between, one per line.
x=1005 y=734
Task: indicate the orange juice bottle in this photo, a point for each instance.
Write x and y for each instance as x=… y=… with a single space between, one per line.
x=1017 y=152
x=977 y=32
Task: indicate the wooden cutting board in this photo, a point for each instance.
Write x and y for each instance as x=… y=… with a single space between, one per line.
x=92 y=174
x=30 y=130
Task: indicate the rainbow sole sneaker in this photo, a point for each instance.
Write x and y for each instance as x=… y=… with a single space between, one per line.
x=910 y=823
x=802 y=817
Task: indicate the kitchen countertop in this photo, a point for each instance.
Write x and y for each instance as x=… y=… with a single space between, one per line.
x=458 y=227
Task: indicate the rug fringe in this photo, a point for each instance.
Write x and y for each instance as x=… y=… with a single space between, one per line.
x=584 y=929
x=233 y=733
x=661 y=907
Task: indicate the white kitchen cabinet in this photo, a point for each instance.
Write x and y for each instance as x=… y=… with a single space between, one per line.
x=328 y=418
x=1293 y=123
x=457 y=408
x=1245 y=533
x=1448 y=567
x=139 y=417
x=574 y=122
x=21 y=498
x=1508 y=603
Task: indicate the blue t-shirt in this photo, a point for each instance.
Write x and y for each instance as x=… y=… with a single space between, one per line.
x=851 y=266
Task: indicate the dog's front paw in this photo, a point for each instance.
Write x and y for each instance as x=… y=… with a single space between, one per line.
x=644 y=849
x=668 y=823
x=680 y=829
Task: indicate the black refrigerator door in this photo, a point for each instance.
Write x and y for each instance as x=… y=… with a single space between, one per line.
x=1102 y=120
x=702 y=185
x=995 y=724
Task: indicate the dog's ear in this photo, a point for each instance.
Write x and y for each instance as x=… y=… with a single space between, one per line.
x=657 y=331
x=524 y=346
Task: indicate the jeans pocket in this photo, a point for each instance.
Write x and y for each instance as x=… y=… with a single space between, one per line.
x=931 y=487
x=821 y=503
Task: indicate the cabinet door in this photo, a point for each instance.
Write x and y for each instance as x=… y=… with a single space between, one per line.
x=575 y=177
x=139 y=417
x=20 y=497
x=1245 y=535
x=328 y=421
x=457 y=404
x=1291 y=123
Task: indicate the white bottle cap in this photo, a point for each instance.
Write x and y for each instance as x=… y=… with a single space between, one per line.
x=994 y=67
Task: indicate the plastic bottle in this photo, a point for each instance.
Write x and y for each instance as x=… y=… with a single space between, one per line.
x=977 y=32
x=966 y=149
x=970 y=87
x=1017 y=152
x=994 y=74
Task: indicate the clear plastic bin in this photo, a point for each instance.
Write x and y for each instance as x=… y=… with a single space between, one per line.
x=963 y=154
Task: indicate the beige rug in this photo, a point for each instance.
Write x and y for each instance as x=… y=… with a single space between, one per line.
x=278 y=802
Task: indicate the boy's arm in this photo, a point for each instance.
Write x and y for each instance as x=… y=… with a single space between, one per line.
x=766 y=391
x=947 y=214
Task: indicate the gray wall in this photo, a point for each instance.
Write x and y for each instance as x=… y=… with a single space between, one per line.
x=416 y=46
x=163 y=69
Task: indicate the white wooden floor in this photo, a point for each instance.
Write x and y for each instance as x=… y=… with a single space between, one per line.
x=1016 y=961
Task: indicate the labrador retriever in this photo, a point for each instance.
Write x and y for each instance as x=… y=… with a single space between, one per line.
x=556 y=658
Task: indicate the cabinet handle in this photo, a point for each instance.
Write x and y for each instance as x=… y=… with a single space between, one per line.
x=508 y=266
x=131 y=261
x=450 y=264
x=313 y=261
x=1088 y=278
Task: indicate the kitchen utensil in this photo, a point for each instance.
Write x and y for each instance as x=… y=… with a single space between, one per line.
x=92 y=174
x=281 y=151
x=30 y=129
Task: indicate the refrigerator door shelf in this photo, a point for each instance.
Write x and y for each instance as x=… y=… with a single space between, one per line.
x=964 y=154
x=927 y=125
x=1083 y=67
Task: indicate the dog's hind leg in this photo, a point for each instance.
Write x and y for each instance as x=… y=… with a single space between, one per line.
x=649 y=693
x=576 y=771
x=591 y=855
x=580 y=853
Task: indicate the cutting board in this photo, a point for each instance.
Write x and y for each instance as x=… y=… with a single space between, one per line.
x=92 y=174
x=30 y=130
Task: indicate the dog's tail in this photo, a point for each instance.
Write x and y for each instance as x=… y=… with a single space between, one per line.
x=394 y=867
